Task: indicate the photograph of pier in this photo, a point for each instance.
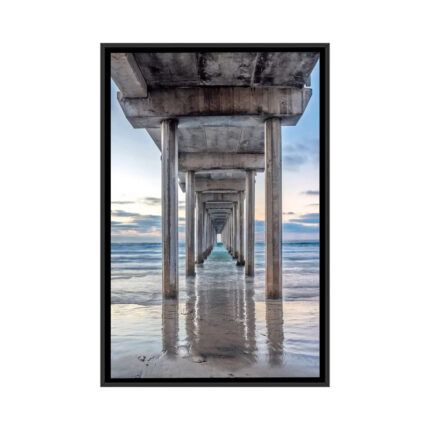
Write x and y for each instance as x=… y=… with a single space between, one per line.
x=214 y=214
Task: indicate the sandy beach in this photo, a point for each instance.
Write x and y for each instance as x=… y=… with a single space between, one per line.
x=218 y=328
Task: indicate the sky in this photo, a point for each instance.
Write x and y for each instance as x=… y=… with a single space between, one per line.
x=136 y=179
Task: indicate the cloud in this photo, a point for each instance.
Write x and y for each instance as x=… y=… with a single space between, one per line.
x=312 y=218
x=135 y=224
x=311 y=193
x=293 y=161
x=292 y=227
x=288 y=213
x=299 y=153
x=289 y=227
x=151 y=201
x=121 y=213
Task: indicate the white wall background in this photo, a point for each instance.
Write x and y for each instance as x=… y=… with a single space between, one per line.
x=49 y=227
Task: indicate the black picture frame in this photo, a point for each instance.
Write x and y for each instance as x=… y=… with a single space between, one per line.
x=105 y=132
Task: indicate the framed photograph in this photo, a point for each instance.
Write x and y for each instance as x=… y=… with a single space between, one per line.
x=215 y=214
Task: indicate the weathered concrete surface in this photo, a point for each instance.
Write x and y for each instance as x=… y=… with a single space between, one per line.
x=240 y=232
x=219 y=205
x=234 y=233
x=247 y=69
x=200 y=213
x=225 y=138
x=250 y=223
x=220 y=184
x=220 y=197
x=169 y=223
x=216 y=106
x=214 y=161
x=218 y=211
x=273 y=233
x=210 y=176
x=190 y=223
x=126 y=74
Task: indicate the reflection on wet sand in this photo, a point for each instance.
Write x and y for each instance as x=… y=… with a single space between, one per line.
x=220 y=324
x=275 y=331
x=170 y=326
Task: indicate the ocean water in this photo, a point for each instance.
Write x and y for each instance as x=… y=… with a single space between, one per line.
x=221 y=325
x=136 y=271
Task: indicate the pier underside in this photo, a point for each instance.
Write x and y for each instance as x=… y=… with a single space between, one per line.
x=216 y=118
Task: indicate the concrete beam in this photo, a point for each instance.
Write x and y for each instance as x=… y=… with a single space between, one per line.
x=127 y=76
x=222 y=192
x=219 y=211
x=214 y=161
x=220 y=197
x=224 y=69
x=220 y=184
x=219 y=205
x=216 y=106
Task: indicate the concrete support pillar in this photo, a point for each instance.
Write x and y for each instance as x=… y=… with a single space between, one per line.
x=208 y=230
x=273 y=173
x=169 y=184
x=206 y=234
x=190 y=223
x=241 y=231
x=229 y=234
x=234 y=232
x=235 y=226
x=205 y=226
x=200 y=214
x=231 y=228
x=226 y=235
x=250 y=223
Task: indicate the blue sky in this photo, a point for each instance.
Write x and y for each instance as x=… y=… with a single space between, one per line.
x=136 y=179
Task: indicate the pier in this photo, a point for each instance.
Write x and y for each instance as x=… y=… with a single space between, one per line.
x=216 y=118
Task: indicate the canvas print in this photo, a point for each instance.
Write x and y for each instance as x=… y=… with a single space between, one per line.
x=214 y=162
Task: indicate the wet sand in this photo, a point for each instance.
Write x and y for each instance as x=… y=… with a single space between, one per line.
x=216 y=329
